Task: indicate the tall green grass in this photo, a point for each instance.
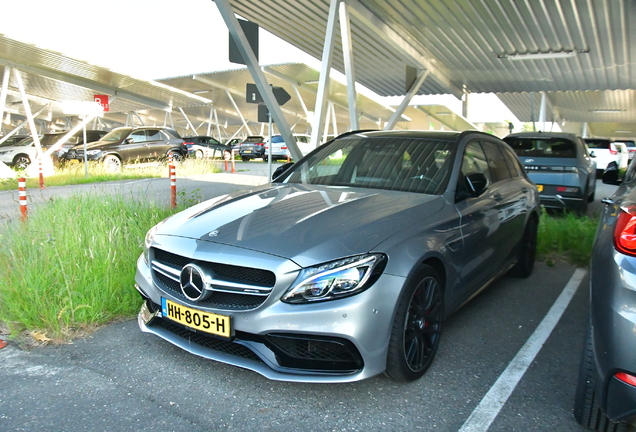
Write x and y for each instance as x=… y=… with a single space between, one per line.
x=71 y=265
x=566 y=238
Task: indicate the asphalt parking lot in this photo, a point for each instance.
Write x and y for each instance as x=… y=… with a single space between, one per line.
x=122 y=379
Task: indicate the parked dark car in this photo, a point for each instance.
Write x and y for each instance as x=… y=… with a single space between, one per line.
x=206 y=147
x=252 y=147
x=347 y=265
x=127 y=144
x=606 y=391
x=50 y=139
x=560 y=165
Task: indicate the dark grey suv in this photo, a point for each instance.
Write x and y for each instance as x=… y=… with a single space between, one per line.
x=127 y=144
x=606 y=391
x=560 y=165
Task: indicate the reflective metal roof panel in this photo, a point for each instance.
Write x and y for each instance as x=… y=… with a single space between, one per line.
x=469 y=43
x=54 y=77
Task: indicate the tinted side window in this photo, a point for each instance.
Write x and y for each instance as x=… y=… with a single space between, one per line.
x=138 y=136
x=475 y=160
x=153 y=135
x=630 y=175
x=496 y=161
x=514 y=166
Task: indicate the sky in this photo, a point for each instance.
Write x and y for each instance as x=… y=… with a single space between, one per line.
x=151 y=39
x=147 y=39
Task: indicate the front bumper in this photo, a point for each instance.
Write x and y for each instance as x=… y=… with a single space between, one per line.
x=334 y=341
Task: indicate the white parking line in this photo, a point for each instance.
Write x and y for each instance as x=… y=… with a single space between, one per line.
x=488 y=409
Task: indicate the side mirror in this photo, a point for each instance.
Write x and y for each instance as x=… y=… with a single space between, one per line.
x=281 y=169
x=592 y=154
x=476 y=183
x=610 y=175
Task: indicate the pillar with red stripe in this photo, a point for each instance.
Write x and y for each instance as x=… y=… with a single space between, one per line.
x=41 y=172
x=23 y=198
x=173 y=185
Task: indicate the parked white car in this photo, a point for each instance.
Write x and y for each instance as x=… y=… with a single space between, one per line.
x=280 y=150
x=604 y=151
x=19 y=155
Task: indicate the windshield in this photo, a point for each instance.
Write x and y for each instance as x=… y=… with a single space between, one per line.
x=116 y=134
x=25 y=142
x=395 y=163
x=542 y=147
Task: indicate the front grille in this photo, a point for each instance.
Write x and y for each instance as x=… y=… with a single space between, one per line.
x=231 y=273
x=219 y=300
x=207 y=341
x=250 y=277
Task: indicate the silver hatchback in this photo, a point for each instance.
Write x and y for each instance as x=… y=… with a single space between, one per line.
x=348 y=263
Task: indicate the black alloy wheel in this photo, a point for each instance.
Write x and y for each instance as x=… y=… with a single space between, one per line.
x=176 y=156
x=21 y=162
x=417 y=327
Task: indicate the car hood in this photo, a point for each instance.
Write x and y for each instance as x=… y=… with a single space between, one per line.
x=305 y=223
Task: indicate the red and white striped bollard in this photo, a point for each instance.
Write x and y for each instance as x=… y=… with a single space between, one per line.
x=173 y=183
x=41 y=172
x=23 y=198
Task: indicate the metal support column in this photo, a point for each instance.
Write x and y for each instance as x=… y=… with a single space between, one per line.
x=542 y=110
x=347 y=52
x=218 y=127
x=238 y=111
x=236 y=32
x=27 y=111
x=323 y=84
x=415 y=87
x=194 y=130
x=3 y=92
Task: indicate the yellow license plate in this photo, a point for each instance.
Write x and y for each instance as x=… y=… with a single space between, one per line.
x=540 y=188
x=219 y=325
x=247 y=151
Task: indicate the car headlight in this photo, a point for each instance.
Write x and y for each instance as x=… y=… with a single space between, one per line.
x=336 y=279
x=5 y=152
x=93 y=152
x=150 y=237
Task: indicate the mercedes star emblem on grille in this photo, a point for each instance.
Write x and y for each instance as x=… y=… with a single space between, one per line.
x=192 y=281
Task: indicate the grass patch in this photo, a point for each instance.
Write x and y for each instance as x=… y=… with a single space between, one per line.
x=71 y=266
x=567 y=238
x=74 y=172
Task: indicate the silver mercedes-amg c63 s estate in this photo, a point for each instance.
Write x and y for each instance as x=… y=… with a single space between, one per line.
x=346 y=264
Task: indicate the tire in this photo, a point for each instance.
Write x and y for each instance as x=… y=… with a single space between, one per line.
x=265 y=158
x=21 y=162
x=198 y=154
x=176 y=156
x=417 y=327
x=586 y=409
x=526 y=251
x=582 y=209
x=245 y=159
x=112 y=163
